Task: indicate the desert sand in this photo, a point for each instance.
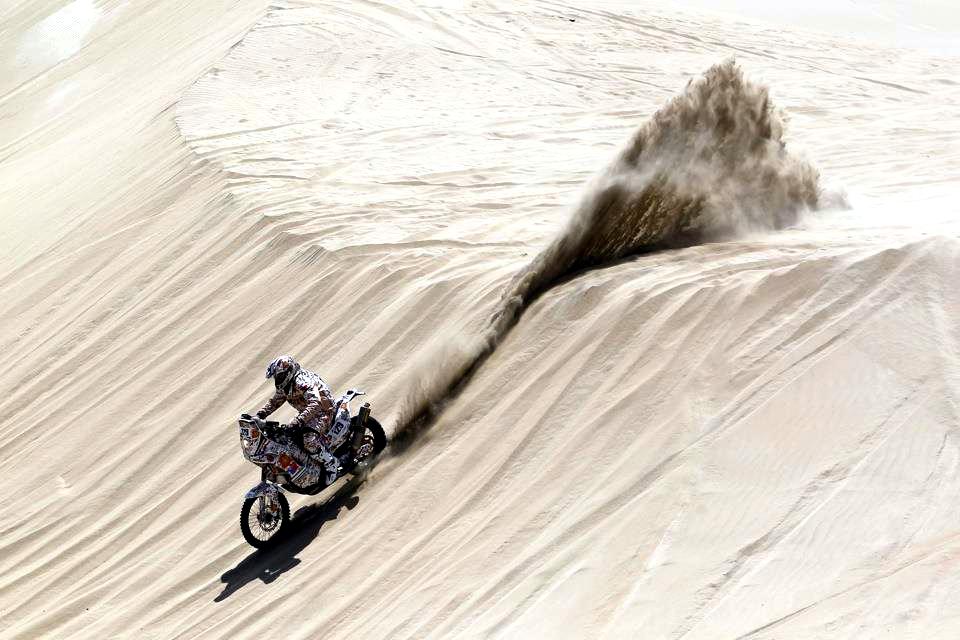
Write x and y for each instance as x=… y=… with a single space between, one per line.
x=750 y=431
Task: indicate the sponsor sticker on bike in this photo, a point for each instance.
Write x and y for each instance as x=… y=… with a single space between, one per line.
x=288 y=464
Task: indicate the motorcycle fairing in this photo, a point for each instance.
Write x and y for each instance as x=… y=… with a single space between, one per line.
x=260 y=450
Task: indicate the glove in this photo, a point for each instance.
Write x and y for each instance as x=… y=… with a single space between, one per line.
x=295 y=432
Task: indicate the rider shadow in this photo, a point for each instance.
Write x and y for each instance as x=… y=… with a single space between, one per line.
x=268 y=564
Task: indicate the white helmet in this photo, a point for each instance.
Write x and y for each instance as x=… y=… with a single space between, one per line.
x=284 y=371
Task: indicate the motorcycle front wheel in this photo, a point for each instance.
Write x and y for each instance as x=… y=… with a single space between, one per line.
x=263 y=519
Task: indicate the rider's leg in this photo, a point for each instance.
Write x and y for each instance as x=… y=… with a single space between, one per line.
x=315 y=447
x=330 y=463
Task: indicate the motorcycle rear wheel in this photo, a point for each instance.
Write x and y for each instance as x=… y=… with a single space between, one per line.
x=260 y=525
x=379 y=437
x=373 y=443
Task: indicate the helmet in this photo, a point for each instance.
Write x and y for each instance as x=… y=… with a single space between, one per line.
x=284 y=371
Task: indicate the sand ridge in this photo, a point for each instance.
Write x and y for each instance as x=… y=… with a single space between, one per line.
x=751 y=437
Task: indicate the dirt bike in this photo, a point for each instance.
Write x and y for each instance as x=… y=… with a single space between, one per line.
x=285 y=458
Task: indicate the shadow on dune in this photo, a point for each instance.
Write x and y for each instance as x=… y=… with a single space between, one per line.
x=268 y=564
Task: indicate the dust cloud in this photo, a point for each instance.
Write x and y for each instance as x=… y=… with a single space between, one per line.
x=712 y=163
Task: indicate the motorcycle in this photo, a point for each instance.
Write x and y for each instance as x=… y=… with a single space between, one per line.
x=287 y=463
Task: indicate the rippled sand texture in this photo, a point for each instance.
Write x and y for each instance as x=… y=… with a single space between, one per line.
x=749 y=434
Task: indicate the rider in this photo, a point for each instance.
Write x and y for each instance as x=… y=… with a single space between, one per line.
x=309 y=395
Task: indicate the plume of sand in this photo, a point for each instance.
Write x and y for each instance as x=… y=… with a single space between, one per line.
x=437 y=369
x=709 y=164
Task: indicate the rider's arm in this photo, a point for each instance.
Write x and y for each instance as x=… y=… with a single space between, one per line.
x=319 y=405
x=272 y=405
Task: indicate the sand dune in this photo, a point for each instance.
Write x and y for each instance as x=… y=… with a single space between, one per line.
x=750 y=436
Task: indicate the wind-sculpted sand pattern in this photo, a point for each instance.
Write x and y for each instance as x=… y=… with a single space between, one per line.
x=742 y=424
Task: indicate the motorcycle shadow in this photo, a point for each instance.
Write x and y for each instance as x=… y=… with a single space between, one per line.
x=268 y=564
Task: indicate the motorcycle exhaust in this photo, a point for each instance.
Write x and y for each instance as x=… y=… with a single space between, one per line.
x=361 y=427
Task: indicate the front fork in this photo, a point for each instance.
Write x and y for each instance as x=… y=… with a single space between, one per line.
x=268 y=495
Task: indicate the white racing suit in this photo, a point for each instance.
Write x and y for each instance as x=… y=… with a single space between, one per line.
x=311 y=397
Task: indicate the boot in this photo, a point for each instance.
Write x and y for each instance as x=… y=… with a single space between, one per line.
x=332 y=474
x=330 y=464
